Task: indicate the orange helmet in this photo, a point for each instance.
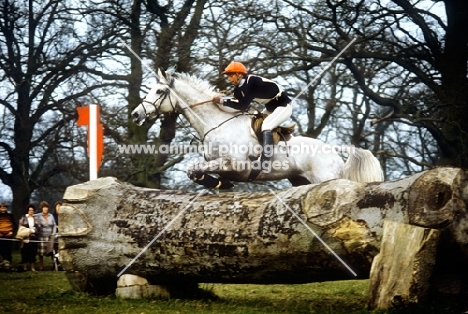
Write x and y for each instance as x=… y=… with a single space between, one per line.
x=235 y=67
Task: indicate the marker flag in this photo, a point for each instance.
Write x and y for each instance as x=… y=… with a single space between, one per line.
x=90 y=116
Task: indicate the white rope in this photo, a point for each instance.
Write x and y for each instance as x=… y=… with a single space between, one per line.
x=314 y=233
x=18 y=240
x=161 y=232
x=323 y=70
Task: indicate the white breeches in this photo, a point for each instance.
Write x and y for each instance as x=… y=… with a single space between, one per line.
x=278 y=116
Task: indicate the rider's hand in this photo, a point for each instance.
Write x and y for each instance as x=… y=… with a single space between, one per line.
x=217 y=100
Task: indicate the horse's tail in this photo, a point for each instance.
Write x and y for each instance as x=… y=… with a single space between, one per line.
x=362 y=166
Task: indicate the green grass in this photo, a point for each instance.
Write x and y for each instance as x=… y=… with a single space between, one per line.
x=50 y=292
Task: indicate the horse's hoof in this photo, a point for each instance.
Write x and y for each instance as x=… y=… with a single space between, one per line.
x=196 y=176
x=224 y=184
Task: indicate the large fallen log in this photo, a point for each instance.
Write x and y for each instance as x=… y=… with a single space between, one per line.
x=106 y=226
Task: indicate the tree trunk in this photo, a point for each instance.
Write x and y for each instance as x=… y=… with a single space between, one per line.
x=106 y=226
x=454 y=86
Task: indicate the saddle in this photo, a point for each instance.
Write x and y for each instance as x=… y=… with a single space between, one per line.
x=281 y=133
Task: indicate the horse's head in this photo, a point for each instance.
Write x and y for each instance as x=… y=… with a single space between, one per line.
x=158 y=100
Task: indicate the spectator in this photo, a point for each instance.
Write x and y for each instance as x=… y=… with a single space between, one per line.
x=56 y=213
x=7 y=230
x=29 y=249
x=46 y=234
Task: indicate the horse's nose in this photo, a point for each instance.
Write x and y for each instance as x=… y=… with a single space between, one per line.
x=136 y=118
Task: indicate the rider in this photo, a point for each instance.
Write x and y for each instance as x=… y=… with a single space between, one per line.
x=248 y=87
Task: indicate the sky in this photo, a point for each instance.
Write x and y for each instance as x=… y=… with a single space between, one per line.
x=5 y=192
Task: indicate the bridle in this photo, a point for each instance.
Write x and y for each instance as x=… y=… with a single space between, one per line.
x=160 y=99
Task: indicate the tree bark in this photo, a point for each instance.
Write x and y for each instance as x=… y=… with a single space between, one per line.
x=106 y=226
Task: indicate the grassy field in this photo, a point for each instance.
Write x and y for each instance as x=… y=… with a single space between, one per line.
x=50 y=292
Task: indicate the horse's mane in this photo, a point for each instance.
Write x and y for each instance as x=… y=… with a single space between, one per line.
x=196 y=82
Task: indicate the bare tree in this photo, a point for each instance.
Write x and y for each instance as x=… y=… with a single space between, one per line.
x=418 y=49
x=47 y=64
x=147 y=28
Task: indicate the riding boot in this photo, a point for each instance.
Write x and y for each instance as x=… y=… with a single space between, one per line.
x=267 y=151
x=264 y=160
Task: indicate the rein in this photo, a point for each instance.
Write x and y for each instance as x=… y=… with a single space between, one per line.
x=200 y=103
x=209 y=100
x=205 y=102
x=225 y=121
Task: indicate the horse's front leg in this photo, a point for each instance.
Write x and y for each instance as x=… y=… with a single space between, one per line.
x=198 y=173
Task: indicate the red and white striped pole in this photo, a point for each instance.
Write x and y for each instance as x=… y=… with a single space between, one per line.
x=90 y=116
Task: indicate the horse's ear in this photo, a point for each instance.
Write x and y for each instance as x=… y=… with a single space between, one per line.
x=162 y=75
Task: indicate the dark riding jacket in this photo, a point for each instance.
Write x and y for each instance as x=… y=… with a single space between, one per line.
x=257 y=88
